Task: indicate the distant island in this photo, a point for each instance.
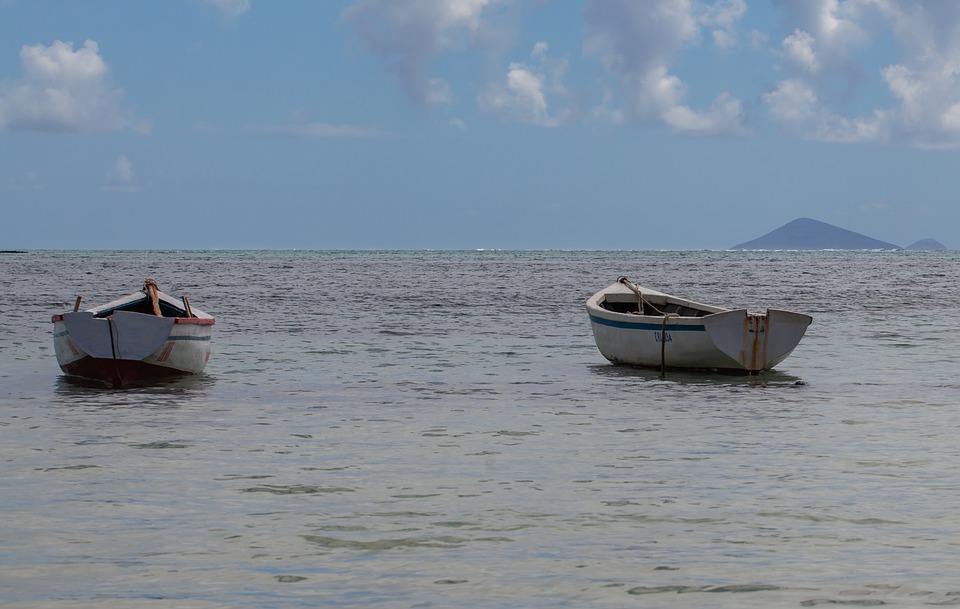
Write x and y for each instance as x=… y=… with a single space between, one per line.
x=809 y=234
x=926 y=245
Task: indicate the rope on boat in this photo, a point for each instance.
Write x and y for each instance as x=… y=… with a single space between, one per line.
x=663 y=324
x=663 y=344
x=152 y=291
x=641 y=301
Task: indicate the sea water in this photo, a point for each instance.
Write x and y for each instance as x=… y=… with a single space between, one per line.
x=438 y=429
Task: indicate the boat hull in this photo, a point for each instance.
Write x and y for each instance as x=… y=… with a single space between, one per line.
x=118 y=372
x=729 y=341
x=130 y=347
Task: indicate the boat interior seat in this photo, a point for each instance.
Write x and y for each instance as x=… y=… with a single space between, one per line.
x=144 y=306
x=630 y=305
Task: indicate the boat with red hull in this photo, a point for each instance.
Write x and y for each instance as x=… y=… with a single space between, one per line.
x=142 y=336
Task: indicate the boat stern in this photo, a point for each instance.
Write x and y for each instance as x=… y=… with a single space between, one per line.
x=757 y=341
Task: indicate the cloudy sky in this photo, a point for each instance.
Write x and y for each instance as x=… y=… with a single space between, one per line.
x=461 y=124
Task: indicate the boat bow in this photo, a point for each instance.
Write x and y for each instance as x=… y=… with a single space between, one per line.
x=125 y=335
x=141 y=336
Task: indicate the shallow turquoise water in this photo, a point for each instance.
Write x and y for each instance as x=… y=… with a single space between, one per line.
x=435 y=429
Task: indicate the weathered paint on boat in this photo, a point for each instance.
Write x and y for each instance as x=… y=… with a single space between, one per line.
x=118 y=347
x=690 y=335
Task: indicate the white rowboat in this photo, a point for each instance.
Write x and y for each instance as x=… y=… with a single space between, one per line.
x=639 y=326
x=141 y=336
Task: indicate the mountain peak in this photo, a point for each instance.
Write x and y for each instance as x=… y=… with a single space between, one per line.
x=810 y=234
x=926 y=245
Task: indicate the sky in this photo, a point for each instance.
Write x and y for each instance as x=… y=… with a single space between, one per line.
x=467 y=124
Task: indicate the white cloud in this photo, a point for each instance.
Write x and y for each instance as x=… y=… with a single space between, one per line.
x=63 y=91
x=724 y=40
x=726 y=116
x=926 y=81
x=540 y=50
x=951 y=118
x=307 y=129
x=796 y=105
x=723 y=16
x=638 y=42
x=31 y=180
x=822 y=58
x=230 y=8
x=757 y=39
x=406 y=36
x=632 y=37
x=793 y=103
x=120 y=178
x=122 y=170
x=823 y=46
x=723 y=13
x=798 y=51
x=523 y=96
x=437 y=91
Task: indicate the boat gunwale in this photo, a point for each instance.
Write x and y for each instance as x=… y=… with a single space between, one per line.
x=104 y=311
x=595 y=307
x=195 y=321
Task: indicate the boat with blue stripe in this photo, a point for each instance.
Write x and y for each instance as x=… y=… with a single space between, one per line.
x=640 y=326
